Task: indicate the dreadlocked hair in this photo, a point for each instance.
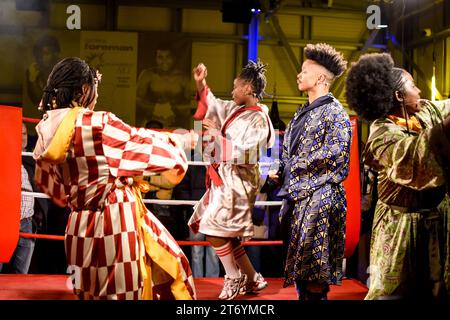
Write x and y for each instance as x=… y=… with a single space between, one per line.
x=65 y=84
x=254 y=73
x=326 y=56
x=371 y=83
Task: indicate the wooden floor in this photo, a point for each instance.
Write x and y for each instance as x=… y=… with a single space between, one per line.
x=54 y=287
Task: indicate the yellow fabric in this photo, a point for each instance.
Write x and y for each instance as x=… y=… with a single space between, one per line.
x=140 y=186
x=156 y=252
x=413 y=123
x=164 y=194
x=161 y=182
x=57 y=150
x=173 y=176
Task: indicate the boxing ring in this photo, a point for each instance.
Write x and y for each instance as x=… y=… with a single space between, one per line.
x=56 y=286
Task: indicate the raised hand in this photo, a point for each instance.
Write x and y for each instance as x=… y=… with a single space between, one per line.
x=200 y=72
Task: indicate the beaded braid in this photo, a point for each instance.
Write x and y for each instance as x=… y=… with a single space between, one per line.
x=65 y=84
x=254 y=73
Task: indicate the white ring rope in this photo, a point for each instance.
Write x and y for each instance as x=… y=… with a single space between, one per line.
x=191 y=163
x=157 y=201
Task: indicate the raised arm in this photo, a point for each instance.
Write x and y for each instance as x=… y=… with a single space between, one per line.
x=140 y=152
x=208 y=106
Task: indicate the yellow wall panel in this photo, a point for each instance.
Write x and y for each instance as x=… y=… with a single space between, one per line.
x=338 y=29
x=279 y=70
x=13 y=69
x=281 y=73
x=9 y=16
x=447 y=69
x=290 y=25
x=423 y=57
x=206 y=21
x=219 y=59
x=142 y=18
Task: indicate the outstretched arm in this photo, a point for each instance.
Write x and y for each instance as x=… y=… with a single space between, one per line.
x=140 y=152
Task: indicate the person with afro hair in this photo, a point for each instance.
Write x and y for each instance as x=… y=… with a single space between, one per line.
x=408 y=146
x=314 y=164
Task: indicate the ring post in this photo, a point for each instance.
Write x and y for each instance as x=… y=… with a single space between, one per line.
x=10 y=186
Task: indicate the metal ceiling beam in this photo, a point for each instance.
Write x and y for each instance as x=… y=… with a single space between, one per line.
x=295 y=42
x=440 y=35
x=282 y=39
x=285 y=43
x=419 y=11
x=323 y=12
x=198 y=4
x=338 y=86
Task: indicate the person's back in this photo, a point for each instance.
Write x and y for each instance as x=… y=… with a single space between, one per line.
x=91 y=162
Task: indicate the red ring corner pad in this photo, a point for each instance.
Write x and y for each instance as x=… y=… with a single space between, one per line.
x=10 y=188
x=353 y=191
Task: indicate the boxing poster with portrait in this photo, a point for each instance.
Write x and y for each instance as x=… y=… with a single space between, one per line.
x=114 y=55
x=164 y=88
x=41 y=50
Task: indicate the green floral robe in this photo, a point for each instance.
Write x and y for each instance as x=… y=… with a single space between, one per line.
x=409 y=254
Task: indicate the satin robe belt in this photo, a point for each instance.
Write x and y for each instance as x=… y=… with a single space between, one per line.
x=212 y=175
x=407 y=209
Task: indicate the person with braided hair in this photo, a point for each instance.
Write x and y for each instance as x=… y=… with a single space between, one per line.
x=313 y=166
x=241 y=128
x=92 y=162
x=408 y=146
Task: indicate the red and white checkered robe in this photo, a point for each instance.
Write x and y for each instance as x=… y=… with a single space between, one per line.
x=102 y=235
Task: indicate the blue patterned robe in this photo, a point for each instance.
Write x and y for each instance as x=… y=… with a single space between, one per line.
x=314 y=164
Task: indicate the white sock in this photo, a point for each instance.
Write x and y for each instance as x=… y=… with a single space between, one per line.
x=225 y=254
x=242 y=260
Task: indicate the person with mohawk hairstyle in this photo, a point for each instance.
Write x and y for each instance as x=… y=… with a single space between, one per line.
x=313 y=166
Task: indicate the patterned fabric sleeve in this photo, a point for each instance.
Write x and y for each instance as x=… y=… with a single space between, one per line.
x=141 y=152
x=443 y=106
x=328 y=160
x=407 y=159
x=50 y=183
